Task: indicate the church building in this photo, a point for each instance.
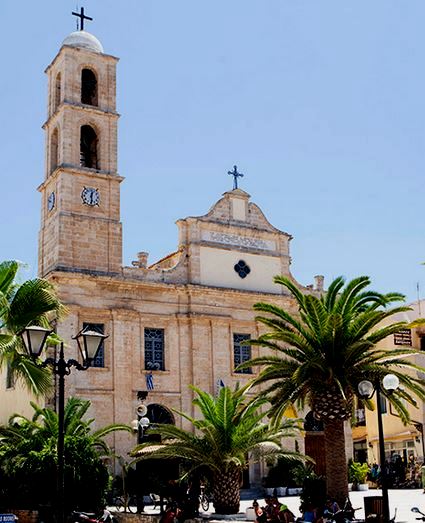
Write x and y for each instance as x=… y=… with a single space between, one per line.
x=171 y=323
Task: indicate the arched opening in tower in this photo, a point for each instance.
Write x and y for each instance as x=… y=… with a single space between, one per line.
x=57 y=93
x=54 y=150
x=88 y=147
x=88 y=87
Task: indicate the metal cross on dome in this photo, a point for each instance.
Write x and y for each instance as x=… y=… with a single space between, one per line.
x=82 y=17
x=235 y=175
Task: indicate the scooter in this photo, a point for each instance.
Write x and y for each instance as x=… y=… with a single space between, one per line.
x=87 y=517
x=417 y=511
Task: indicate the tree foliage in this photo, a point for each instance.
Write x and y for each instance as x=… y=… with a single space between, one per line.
x=318 y=355
x=331 y=345
x=32 y=302
x=28 y=458
x=229 y=434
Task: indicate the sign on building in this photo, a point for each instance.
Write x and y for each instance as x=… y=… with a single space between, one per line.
x=403 y=337
x=8 y=518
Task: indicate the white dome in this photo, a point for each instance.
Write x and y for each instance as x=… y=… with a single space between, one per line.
x=85 y=40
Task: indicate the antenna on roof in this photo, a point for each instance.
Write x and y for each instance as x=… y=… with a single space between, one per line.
x=76 y=20
x=419 y=301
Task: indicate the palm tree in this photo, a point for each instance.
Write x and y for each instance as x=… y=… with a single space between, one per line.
x=31 y=302
x=28 y=456
x=229 y=435
x=320 y=355
x=44 y=424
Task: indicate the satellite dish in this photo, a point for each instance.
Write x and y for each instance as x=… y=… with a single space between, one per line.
x=142 y=410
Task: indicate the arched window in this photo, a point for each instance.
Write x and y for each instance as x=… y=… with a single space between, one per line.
x=156 y=414
x=159 y=414
x=88 y=87
x=88 y=147
x=54 y=150
x=57 y=93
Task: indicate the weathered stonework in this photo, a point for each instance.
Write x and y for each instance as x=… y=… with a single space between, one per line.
x=194 y=294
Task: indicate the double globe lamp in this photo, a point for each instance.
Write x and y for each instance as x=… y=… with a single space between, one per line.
x=89 y=343
x=366 y=390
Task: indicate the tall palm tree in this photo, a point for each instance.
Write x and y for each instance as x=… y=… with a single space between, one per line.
x=320 y=354
x=21 y=304
x=228 y=436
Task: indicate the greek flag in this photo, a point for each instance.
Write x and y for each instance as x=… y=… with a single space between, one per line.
x=149 y=381
x=219 y=385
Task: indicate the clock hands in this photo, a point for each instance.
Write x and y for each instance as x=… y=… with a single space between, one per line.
x=90 y=196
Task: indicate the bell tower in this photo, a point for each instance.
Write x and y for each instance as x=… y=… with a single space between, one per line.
x=80 y=218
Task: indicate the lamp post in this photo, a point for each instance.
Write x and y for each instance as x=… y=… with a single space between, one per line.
x=366 y=390
x=89 y=342
x=140 y=425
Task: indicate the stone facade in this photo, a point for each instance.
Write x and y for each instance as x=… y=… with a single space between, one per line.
x=198 y=297
x=87 y=237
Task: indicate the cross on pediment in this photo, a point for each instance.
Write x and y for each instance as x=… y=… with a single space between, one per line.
x=235 y=175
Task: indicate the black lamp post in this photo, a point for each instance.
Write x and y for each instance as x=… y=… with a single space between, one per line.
x=366 y=390
x=89 y=342
x=140 y=425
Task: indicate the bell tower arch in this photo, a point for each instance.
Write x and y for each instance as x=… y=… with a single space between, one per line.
x=80 y=219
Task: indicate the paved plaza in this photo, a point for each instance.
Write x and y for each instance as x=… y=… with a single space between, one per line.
x=403 y=500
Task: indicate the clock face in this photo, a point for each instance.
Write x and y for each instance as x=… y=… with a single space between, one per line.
x=90 y=196
x=51 y=199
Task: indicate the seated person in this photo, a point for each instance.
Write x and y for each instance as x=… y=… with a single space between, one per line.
x=310 y=514
x=285 y=515
x=331 y=509
x=171 y=512
x=260 y=515
x=272 y=508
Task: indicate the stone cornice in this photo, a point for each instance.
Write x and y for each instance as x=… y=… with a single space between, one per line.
x=66 y=48
x=79 y=276
x=91 y=109
x=98 y=173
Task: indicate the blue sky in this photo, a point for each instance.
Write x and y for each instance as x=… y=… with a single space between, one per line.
x=320 y=103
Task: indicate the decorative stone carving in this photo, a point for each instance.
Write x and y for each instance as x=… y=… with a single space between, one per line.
x=239 y=241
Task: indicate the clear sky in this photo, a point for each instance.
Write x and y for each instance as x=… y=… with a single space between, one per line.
x=320 y=103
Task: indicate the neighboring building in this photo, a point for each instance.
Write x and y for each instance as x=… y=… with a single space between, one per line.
x=14 y=397
x=400 y=439
x=176 y=322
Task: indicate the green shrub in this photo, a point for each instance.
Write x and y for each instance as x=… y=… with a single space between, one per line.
x=358 y=472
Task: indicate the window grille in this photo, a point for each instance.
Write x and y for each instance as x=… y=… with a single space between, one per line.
x=154 y=349
x=99 y=360
x=241 y=353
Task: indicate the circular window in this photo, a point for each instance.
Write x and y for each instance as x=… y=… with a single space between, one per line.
x=242 y=269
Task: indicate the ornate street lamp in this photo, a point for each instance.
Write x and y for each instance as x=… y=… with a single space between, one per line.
x=366 y=390
x=89 y=342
